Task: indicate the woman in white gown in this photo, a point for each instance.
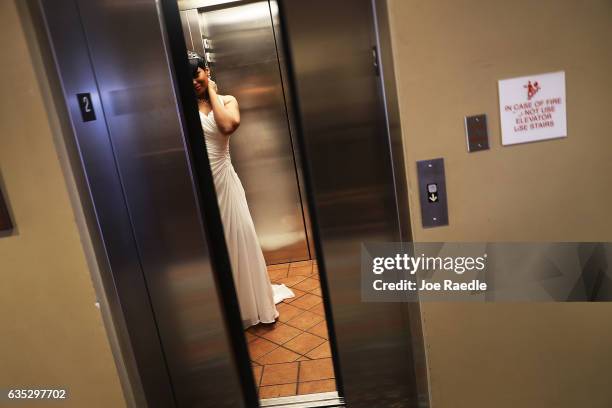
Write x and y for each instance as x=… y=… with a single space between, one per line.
x=220 y=117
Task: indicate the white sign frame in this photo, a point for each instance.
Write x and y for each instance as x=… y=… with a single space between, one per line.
x=532 y=108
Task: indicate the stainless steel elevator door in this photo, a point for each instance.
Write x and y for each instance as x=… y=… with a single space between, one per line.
x=139 y=110
x=350 y=180
x=247 y=67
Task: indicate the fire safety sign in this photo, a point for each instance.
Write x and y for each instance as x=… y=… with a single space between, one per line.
x=532 y=108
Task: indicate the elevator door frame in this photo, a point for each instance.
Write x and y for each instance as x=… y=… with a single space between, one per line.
x=152 y=372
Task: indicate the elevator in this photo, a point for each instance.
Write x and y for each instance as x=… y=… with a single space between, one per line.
x=322 y=107
x=241 y=42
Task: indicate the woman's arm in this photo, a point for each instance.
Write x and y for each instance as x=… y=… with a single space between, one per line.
x=227 y=114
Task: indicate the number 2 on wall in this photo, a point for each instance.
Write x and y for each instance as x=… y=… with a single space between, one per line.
x=86 y=103
x=87 y=110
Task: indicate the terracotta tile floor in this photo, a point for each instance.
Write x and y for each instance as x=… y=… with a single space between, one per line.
x=292 y=356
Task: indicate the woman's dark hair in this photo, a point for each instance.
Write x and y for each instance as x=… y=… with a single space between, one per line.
x=196 y=61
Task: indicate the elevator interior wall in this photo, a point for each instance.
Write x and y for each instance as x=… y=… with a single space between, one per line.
x=241 y=42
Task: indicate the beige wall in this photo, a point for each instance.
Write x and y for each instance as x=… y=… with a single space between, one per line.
x=52 y=333
x=449 y=56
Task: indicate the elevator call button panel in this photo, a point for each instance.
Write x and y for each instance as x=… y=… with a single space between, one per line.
x=432 y=193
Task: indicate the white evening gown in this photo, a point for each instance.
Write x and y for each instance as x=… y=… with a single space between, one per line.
x=256 y=295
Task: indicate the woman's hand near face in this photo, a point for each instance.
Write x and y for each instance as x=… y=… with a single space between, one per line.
x=212 y=85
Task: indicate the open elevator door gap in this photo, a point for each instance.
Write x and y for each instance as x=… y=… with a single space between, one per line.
x=241 y=46
x=239 y=41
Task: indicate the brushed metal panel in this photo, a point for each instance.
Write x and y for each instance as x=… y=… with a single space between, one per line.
x=185 y=27
x=193 y=21
x=432 y=193
x=412 y=310
x=476 y=133
x=394 y=126
x=137 y=94
x=247 y=67
x=126 y=288
x=349 y=175
x=282 y=62
x=193 y=4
